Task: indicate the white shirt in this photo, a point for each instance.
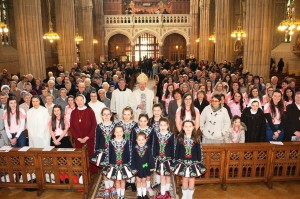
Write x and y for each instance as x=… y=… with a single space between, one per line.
x=97 y=108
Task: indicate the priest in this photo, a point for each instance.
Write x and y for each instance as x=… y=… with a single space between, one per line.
x=120 y=99
x=141 y=100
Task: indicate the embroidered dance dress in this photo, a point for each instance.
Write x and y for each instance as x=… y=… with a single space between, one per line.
x=154 y=124
x=142 y=160
x=128 y=128
x=149 y=135
x=104 y=134
x=188 y=159
x=119 y=167
x=163 y=152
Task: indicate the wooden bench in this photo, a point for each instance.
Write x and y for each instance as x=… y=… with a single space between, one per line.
x=43 y=170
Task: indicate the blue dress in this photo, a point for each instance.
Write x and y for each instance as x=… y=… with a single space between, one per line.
x=188 y=159
x=142 y=160
x=119 y=167
x=163 y=152
x=104 y=134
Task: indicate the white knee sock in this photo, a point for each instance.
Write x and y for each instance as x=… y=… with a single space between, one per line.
x=190 y=193
x=122 y=192
x=111 y=183
x=139 y=191
x=157 y=178
x=184 y=194
x=119 y=192
x=106 y=184
x=132 y=180
x=163 y=190
x=144 y=191
x=168 y=187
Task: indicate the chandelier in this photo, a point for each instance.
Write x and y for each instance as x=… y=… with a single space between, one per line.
x=3 y=28
x=212 y=38
x=78 y=38
x=51 y=35
x=239 y=33
x=291 y=23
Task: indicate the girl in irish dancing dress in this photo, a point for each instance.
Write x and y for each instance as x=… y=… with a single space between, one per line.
x=128 y=125
x=143 y=127
x=188 y=158
x=143 y=161
x=119 y=167
x=154 y=123
x=104 y=133
x=163 y=152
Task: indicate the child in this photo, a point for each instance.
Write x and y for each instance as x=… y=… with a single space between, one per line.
x=118 y=167
x=188 y=158
x=163 y=151
x=154 y=123
x=143 y=161
x=104 y=133
x=128 y=125
x=143 y=127
x=58 y=127
x=236 y=133
x=157 y=114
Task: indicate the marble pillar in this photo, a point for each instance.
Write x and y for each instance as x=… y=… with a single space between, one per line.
x=65 y=27
x=28 y=20
x=194 y=16
x=99 y=30
x=205 y=20
x=259 y=27
x=85 y=25
x=223 y=26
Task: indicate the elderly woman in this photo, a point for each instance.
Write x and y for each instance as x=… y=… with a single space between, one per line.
x=214 y=121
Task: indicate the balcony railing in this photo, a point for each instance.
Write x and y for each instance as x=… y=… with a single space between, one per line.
x=147 y=19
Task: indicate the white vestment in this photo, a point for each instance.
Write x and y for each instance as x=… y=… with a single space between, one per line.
x=119 y=100
x=135 y=100
x=97 y=108
x=38 y=129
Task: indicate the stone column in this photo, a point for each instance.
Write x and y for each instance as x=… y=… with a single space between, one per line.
x=133 y=52
x=161 y=49
x=204 y=45
x=258 y=43
x=99 y=29
x=85 y=25
x=194 y=16
x=65 y=26
x=28 y=20
x=224 y=46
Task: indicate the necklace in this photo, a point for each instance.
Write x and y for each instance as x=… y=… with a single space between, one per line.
x=81 y=115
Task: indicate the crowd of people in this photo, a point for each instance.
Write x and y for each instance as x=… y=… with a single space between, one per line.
x=133 y=133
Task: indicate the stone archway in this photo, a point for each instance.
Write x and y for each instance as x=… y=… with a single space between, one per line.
x=119 y=47
x=175 y=47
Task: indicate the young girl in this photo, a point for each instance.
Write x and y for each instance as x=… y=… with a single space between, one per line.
x=118 y=167
x=163 y=151
x=288 y=96
x=188 y=158
x=14 y=122
x=58 y=128
x=104 y=133
x=128 y=125
x=157 y=114
x=143 y=161
x=236 y=104
x=143 y=127
x=167 y=97
x=274 y=114
x=236 y=133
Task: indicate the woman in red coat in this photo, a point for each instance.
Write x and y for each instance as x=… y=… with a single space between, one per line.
x=83 y=127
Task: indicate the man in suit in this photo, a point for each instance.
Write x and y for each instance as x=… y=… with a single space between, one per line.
x=3 y=100
x=51 y=87
x=292 y=130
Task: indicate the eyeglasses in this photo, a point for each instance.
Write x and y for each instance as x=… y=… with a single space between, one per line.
x=214 y=101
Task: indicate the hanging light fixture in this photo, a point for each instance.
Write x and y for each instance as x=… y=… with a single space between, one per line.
x=212 y=37
x=78 y=38
x=290 y=24
x=51 y=35
x=3 y=28
x=239 y=33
